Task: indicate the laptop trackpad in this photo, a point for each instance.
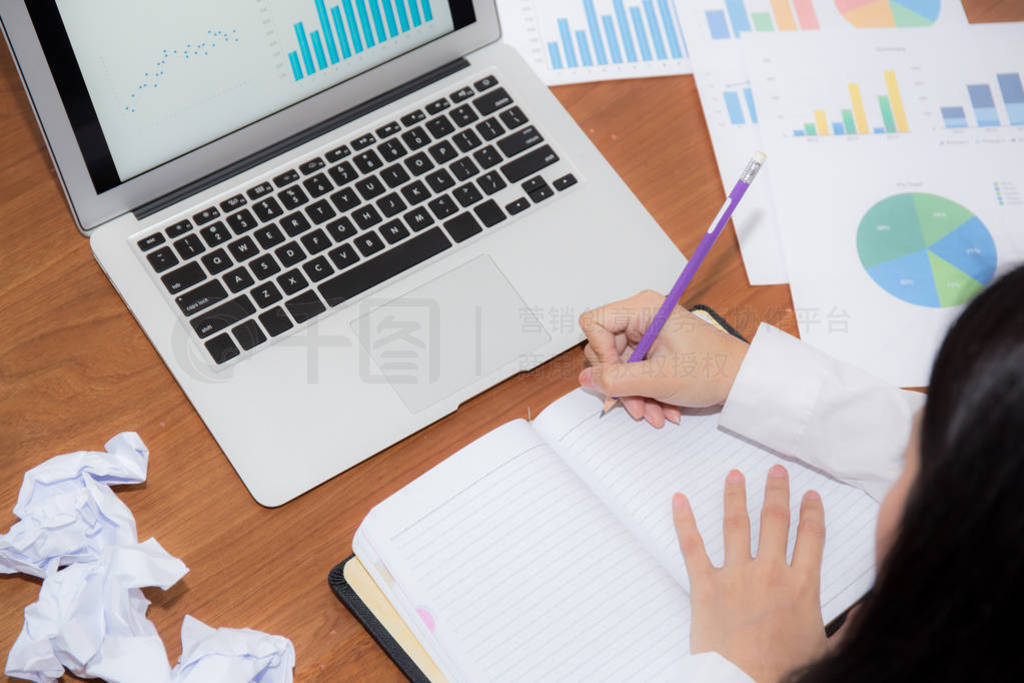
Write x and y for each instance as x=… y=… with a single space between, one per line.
x=446 y=334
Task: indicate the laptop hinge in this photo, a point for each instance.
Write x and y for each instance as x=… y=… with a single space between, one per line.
x=257 y=158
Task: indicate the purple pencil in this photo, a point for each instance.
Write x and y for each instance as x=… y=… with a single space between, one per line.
x=676 y=293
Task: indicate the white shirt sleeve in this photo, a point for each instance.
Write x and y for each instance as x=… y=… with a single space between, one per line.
x=711 y=667
x=798 y=401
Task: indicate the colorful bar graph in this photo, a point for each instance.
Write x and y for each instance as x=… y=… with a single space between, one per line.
x=887 y=119
x=1013 y=97
x=718 y=24
x=853 y=120
x=732 y=105
x=899 y=114
x=806 y=15
x=784 y=18
x=954 y=117
x=570 y=53
x=762 y=22
x=581 y=43
x=595 y=31
x=983 y=104
x=821 y=121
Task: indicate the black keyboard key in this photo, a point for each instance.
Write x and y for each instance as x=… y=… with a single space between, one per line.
x=182 y=278
x=320 y=212
x=392 y=150
x=222 y=349
x=342 y=173
x=292 y=282
x=490 y=128
x=241 y=221
x=443 y=152
x=368 y=161
x=259 y=191
x=462 y=227
x=290 y=254
x=415 y=193
x=215 y=234
x=440 y=127
x=534 y=183
x=357 y=280
x=416 y=138
x=438 y=106
x=337 y=154
x=542 y=193
x=317 y=185
x=467 y=140
x=344 y=256
x=154 y=240
x=443 y=206
x=530 y=163
x=276 y=321
x=178 y=229
x=201 y=297
x=305 y=307
x=412 y=118
x=492 y=101
x=312 y=166
x=346 y=199
x=232 y=203
x=463 y=116
x=238 y=279
x=295 y=224
x=162 y=259
x=518 y=206
x=462 y=94
x=394 y=231
x=491 y=182
x=489 y=213
x=440 y=180
x=388 y=129
x=217 y=261
x=520 y=141
x=223 y=317
x=485 y=83
x=418 y=219
x=341 y=229
x=189 y=246
x=243 y=249
x=487 y=157
x=292 y=197
x=267 y=209
x=264 y=266
x=418 y=164
x=369 y=243
x=206 y=215
x=366 y=217
x=317 y=269
x=467 y=194
x=248 y=334
x=370 y=188
x=565 y=182
x=363 y=141
x=316 y=241
x=513 y=118
x=266 y=294
x=391 y=204
x=395 y=175
x=286 y=178
x=269 y=236
x=464 y=169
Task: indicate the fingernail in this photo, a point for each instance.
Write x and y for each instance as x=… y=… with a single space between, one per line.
x=587 y=378
x=735 y=476
x=777 y=471
x=678 y=501
x=672 y=417
x=812 y=495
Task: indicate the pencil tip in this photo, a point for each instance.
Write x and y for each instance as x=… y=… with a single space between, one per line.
x=609 y=403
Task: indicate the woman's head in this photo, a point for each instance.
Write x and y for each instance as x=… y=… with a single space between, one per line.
x=952 y=582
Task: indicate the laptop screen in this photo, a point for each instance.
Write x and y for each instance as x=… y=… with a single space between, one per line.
x=144 y=83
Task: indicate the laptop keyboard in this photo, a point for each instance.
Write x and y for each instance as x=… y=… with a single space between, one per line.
x=288 y=249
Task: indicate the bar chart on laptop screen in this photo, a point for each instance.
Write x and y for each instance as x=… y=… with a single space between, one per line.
x=578 y=40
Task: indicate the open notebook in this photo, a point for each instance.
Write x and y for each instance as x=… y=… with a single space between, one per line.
x=546 y=550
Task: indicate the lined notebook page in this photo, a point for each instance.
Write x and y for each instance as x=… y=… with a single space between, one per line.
x=521 y=573
x=636 y=469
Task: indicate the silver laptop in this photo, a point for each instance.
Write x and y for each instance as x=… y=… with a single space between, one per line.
x=335 y=220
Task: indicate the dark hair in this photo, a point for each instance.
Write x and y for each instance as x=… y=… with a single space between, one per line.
x=951 y=589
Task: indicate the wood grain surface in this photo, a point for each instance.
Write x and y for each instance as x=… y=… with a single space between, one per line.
x=75 y=369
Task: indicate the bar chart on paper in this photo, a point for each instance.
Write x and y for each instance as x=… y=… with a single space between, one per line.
x=887 y=109
x=989 y=107
x=733 y=18
x=583 y=40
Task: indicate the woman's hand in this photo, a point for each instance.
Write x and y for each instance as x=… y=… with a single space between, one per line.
x=691 y=363
x=760 y=613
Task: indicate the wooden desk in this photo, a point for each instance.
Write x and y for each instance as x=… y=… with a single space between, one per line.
x=75 y=369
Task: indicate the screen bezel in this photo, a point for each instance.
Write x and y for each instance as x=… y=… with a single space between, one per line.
x=91 y=208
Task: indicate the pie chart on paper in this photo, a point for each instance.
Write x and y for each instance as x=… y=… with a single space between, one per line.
x=926 y=250
x=889 y=13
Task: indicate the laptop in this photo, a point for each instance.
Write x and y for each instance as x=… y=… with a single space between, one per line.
x=335 y=220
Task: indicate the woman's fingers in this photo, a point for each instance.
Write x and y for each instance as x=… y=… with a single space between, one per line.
x=774 y=515
x=810 y=534
x=698 y=566
x=736 y=522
